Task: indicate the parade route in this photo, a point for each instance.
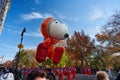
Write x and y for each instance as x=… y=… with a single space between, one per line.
x=59 y=40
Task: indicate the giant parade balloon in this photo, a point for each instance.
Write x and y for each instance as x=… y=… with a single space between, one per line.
x=53 y=31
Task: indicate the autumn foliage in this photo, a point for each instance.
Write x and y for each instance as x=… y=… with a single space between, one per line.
x=110 y=34
x=110 y=38
x=79 y=46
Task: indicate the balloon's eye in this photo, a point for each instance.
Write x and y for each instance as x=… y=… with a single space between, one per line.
x=56 y=22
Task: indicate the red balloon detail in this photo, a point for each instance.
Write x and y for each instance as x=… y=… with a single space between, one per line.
x=58 y=54
x=41 y=53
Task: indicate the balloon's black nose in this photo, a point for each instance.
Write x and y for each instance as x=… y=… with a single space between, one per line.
x=66 y=35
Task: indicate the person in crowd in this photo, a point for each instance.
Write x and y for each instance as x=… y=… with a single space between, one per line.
x=118 y=77
x=119 y=71
x=109 y=73
x=50 y=74
x=102 y=75
x=36 y=75
x=81 y=70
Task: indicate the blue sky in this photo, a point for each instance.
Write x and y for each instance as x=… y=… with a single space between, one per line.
x=88 y=15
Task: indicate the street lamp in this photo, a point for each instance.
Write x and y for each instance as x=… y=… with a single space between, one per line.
x=20 y=46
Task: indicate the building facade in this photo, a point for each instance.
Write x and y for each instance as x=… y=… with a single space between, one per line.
x=4 y=7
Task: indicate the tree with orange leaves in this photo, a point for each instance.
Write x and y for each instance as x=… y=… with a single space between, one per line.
x=110 y=34
x=110 y=38
x=79 y=46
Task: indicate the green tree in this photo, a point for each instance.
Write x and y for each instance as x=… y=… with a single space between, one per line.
x=97 y=58
x=27 y=58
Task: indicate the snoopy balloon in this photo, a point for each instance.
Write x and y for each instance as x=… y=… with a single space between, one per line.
x=53 y=30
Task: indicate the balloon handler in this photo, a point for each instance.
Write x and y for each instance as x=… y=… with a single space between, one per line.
x=53 y=30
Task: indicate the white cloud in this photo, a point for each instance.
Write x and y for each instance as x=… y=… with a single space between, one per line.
x=59 y=15
x=35 y=34
x=30 y=34
x=95 y=14
x=12 y=30
x=10 y=47
x=35 y=15
x=67 y=17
